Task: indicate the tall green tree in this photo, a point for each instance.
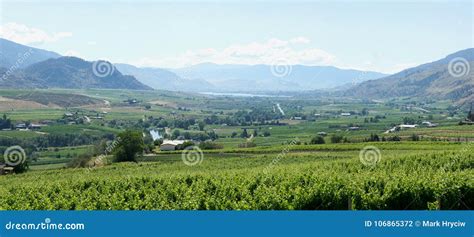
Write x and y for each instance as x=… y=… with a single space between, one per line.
x=470 y=115
x=5 y=122
x=244 y=134
x=201 y=126
x=129 y=145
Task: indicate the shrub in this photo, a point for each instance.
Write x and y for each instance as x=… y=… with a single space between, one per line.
x=184 y=145
x=336 y=139
x=373 y=138
x=415 y=137
x=210 y=145
x=394 y=139
x=158 y=142
x=21 y=168
x=317 y=140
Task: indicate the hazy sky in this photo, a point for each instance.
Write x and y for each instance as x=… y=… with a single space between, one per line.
x=383 y=36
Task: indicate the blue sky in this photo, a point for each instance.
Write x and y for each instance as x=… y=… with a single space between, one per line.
x=384 y=36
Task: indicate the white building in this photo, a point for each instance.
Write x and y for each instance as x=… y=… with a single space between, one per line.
x=402 y=126
x=429 y=124
x=170 y=145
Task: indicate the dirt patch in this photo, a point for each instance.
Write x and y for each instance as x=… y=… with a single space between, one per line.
x=57 y=99
x=7 y=104
x=291 y=121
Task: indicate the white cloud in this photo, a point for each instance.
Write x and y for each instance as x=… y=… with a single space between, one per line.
x=251 y=53
x=300 y=40
x=26 y=35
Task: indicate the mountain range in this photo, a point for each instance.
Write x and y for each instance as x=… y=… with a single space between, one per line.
x=26 y=67
x=231 y=77
x=202 y=77
x=163 y=79
x=449 y=78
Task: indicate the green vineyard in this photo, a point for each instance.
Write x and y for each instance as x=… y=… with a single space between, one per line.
x=408 y=176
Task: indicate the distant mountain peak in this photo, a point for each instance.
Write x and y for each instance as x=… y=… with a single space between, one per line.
x=451 y=77
x=21 y=56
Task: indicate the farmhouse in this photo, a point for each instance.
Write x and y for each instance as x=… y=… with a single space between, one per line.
x=170 y=145
x=35 y=126
x=4 y=169
x=403 y=126
x=21 y=126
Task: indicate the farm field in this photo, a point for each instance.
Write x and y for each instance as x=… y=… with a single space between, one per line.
x=262 y=159
x=117 y=114
x=408 y=176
